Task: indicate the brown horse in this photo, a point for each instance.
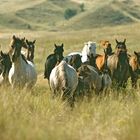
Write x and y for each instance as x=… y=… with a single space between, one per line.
x=101 y=60
x=118 y=64
x=134 y=62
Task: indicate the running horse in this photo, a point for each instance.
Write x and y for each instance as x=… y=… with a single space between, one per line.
x=22 y=73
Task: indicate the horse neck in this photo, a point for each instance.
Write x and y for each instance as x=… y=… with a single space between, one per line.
x=60 y=56
x=19 y=63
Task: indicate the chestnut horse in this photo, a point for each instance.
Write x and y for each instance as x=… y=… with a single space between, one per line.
x=101 y=60
x=134 y=62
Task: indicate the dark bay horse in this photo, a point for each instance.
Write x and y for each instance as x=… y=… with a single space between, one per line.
x=118 y=64
x=30 y=50
x=53 y=59
x=101 y=60
x=5 y=65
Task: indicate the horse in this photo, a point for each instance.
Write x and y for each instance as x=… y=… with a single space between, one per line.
x=22 y=73
x=30 y=50
x=118 y=64
x=5 y=65
x=63 y=79
x=91 y=80
x=101 y=60
x=53 y=59
x=134 y=62
x=89 y=49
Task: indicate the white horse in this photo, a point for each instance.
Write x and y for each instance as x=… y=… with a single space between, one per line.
x=22 y=73
x=88 y=50
x=64 y=80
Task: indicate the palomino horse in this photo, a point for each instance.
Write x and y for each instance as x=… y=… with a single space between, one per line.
x=118 y=64
x=101 y=60
x=22 y=73
x=134 y=62
x=64 y=80
x=53 y=59
x=5 y=65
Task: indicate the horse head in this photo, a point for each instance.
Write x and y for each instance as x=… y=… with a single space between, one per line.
x=90 y=48
x=58 y=51
x=92 y=60
x=108 y=49
x=120 y=46
x=30 y=50
x=15 y=47
x=75 y=61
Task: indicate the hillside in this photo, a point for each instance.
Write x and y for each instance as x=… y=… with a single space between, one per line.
x=49 y=14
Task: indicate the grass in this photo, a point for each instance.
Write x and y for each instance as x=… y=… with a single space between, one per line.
x=36 y=115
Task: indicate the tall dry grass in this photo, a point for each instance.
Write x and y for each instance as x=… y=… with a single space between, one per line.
x=36 y=115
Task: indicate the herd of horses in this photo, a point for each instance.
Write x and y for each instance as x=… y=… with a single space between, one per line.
x=77 y=74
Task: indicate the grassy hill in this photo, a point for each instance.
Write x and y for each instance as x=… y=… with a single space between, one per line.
x=49 y=14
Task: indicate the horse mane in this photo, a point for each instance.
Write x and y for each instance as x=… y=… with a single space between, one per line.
x=24 y=58
x=50 y=56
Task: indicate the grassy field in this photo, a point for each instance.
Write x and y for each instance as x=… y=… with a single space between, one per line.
x=35 y=115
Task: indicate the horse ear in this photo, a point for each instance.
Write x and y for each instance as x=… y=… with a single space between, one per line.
x=124 y=41
x=14 y=37
x=1 y=53
x=62 y=45
x=34 y=41
x=23 y=39
x=116 y=41
x=135 y=53
x=27 y=41
x=55 y=45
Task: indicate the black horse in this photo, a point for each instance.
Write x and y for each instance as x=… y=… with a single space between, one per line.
x=53 y=59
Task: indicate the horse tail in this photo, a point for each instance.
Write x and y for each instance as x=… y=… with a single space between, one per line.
x=65 y=85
